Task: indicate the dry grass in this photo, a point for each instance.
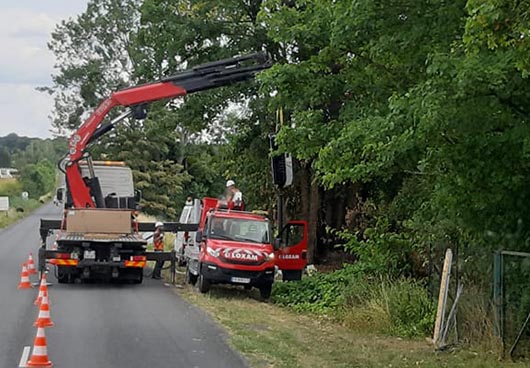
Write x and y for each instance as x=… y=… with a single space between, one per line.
x=270 y=336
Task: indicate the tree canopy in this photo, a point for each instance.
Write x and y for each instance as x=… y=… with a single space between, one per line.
x=407 y=120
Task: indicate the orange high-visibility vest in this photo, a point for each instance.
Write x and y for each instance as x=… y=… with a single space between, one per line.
x=158 y=240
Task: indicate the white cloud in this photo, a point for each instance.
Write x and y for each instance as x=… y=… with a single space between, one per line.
x=26 y=63
x=24 y=110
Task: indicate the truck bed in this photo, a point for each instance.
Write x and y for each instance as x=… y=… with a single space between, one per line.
x=100 y=238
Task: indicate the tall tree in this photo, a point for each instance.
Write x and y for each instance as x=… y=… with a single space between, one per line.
x=95 y=54
x=234 y=117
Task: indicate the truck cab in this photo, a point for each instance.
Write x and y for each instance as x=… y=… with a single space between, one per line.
x=237 y=247
x=234 y=247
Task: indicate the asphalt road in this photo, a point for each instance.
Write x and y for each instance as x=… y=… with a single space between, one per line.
x=102 y=325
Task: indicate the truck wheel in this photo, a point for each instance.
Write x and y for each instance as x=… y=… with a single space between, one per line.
x=63 y=277
x=190 y=278
x=204 y=284
x=139 y=277
x=265 y=291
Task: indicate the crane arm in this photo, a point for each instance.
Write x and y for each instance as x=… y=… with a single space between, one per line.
x=203 y=77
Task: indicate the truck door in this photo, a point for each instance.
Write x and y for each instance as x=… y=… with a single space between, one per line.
x=291 y=257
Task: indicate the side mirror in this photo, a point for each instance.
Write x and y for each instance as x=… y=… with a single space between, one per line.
x=198 y=236
x=59 y=194
x=137 y=195
x=277 y=244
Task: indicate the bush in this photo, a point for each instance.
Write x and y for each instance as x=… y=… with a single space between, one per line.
x=399 y=307
x=10 y=187
x=319 y=293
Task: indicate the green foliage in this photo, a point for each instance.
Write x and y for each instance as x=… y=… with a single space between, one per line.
x=319 y=293
x=403 y=306
x=419 y=108
x=36 y=161
x=38 y=179
x=10 y=187
x=18 y=151
x=16 y=202
x=400 y=307
x=380 y=250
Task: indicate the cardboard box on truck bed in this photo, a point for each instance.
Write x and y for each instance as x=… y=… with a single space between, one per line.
x=102 y=221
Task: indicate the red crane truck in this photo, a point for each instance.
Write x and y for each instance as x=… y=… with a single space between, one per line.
x=237 y=247
x=99 y=235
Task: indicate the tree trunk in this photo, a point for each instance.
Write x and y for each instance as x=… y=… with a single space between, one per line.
x=314 y=211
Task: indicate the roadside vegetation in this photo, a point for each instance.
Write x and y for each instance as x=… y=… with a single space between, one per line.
x=18 y=206
x=272 y=336
x=400 y=308
x=407 y=123
x=35 y=160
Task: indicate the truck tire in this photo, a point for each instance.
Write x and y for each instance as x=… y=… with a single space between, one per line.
x=204 y=284
x=63 y=276
x=62 y=279
x=139 y=276
x=265 y=291
x=190 y=278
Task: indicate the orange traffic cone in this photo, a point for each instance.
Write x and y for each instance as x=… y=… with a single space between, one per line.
x=31 y=265
x=44 y=320
x=39 y=358
x=24 y=278
x=43 y=289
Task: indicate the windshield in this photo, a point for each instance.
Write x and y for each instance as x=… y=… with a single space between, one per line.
x=239 y=230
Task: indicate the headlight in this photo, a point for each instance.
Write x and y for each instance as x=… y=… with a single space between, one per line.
x=269 y=257
x=212 y=252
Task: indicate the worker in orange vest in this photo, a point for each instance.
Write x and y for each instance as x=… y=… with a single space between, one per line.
x=158 y=243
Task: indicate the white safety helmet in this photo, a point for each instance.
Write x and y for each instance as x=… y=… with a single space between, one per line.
x=159 y=224
x=229 y=183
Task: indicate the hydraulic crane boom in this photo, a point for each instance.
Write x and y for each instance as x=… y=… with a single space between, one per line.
x=200 y=78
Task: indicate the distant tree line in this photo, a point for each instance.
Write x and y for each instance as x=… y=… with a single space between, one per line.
x=35 y=159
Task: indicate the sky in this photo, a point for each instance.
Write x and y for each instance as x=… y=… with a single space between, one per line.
x=26 y=63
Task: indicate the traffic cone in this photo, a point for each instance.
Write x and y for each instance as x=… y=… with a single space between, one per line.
x=24 y=278
x=44 y=320
x=39 y=358
x=31 y=265
x=43 y=289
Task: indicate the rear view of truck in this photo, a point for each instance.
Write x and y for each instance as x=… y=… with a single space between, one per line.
x=99 y=244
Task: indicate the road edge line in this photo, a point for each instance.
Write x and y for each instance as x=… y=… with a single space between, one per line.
x=25 y=356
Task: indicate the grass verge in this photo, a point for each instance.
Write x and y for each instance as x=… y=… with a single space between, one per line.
x=19 y=207
x=18 y=210
x=271 y=336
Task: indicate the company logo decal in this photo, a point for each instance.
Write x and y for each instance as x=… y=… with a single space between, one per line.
x=242 y=255
x=289 y=256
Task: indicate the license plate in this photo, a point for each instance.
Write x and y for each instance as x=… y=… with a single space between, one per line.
x=89 y=254
x=240 y=280
x=116 y=258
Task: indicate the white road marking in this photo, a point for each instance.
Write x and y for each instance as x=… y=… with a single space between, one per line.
x=24 y=357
